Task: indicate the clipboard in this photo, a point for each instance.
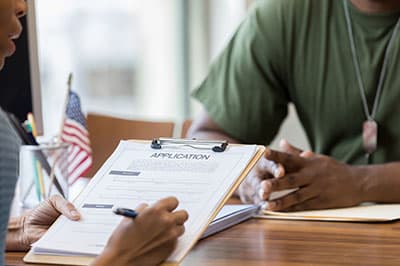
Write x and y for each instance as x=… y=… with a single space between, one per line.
x=31 y=257
x=214 y=145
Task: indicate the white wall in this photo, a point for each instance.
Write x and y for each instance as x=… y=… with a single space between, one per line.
x=292 y=131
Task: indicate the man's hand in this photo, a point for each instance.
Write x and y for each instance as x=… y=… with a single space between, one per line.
x=285 y=146
x=249 y=189
x=148 y=239
x=322 y=182
x=27 y=229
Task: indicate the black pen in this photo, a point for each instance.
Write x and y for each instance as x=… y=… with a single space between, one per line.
x=126 y=212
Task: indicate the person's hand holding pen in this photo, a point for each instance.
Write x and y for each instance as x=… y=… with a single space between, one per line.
x=146 y=239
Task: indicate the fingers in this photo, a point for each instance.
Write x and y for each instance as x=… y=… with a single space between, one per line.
x=170 y=235
x=179 y=231
x=156 y=228
x=267 y=167
x=37 y=221
x=311 y=204
x=265 y=190
x=300 y=196
x=181 y=217
x=291 y=181
x=34 y=235
x=287 y=182
x=247 y=193
x=170 y=204
x=64 y=207
x=307 y=154
x=248 y=190
x=165 y=207
x=141 y=207
x=171 y=232
x=289 y=161
x=289 y=148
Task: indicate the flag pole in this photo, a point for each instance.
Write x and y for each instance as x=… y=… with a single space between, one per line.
x=64 y=113
x=53 y=179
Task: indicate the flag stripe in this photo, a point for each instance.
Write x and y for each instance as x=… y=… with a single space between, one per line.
x=73 y=151
x=82 y=170
x=80 y=163
x=75 y=140
x=75 y=162
x=71 y=130
x=73 y=124
x=76 y=159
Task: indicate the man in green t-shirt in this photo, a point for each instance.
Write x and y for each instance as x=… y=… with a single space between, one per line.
x=337 y=61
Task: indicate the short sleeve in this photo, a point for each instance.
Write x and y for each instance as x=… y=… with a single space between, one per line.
x=244 y=92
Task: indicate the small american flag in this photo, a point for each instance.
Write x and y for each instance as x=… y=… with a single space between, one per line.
x=76 y=134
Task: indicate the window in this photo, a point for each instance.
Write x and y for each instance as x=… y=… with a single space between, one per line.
x=127 y=56
x=123 y=54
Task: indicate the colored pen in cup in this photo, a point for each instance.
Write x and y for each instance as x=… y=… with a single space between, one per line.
x=126 y=212
x=32 y=123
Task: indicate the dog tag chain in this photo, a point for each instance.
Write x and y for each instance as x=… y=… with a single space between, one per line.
x=370 y=126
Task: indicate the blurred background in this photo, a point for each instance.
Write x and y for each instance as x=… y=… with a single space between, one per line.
x=134 y=59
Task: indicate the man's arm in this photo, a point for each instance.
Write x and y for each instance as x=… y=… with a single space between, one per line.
x=380 y=183
x=204 y=127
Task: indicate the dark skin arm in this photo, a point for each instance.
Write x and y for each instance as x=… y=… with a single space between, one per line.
x=204 y=127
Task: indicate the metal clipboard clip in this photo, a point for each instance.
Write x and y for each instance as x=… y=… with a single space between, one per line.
x=214 y=145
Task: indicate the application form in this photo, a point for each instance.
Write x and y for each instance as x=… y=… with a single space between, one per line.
x=136 y=173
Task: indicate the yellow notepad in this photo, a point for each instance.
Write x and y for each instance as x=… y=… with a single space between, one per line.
x=202 y=180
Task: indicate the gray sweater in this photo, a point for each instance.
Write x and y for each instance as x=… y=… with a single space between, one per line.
x=9 y=154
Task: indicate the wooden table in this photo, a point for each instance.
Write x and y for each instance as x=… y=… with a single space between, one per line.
x=267 y=242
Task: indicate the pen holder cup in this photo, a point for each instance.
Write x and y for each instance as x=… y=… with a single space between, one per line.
x=43 y=172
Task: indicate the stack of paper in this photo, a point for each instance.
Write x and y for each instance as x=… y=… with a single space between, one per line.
x=229 y=216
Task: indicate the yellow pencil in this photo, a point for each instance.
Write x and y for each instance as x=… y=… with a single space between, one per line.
x=31 y=120
x=41 y=180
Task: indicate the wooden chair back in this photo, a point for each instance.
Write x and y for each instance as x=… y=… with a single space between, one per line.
x=185 y=127
x=106 y=132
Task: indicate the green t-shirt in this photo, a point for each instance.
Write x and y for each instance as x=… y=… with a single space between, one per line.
x=298 y=51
